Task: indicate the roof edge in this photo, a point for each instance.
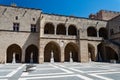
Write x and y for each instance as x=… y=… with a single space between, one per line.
x=73 y=16
x=20 y=7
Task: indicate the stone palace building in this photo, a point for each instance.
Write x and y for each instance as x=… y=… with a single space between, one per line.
x=27 y=33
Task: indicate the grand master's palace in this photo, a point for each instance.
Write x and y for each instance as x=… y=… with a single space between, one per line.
x=26 y=31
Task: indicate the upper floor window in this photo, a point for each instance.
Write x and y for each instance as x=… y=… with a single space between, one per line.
x=91 y=31
x=119 y=28
x=16 y=27
x=33 y=28
x=111 y=32
x=33 y=19
x=72 y=30
x=16 y=18
x=49 y=28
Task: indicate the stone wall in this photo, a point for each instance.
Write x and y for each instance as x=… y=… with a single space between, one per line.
x=115 y=26
x=19 y=38
x=24 y=37
x=25 y=16
x=81 y=40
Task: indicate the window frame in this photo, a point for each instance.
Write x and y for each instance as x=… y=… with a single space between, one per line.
x=33 y=28
x=16 y=27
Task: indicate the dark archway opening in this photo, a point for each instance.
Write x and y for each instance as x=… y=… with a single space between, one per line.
x=72 y=30
x=61 y=29
x=92 y=32
x=71 y=48
x=52 y=47
x=14 y=49
x=31 y=52
x=101 y=53
x=103 y=33
x=49 y=28
x=111 y=54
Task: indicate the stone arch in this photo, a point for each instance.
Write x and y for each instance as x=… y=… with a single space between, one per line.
x=61 y=29
x=103 y=33
x=72 y=30
x=111 y=54
x=49 y=28
x=100 y=53
x=91 y=31
x=52 y=47
x=14 y=49
x=91 y=52
x=73 y=48
x=31 y=54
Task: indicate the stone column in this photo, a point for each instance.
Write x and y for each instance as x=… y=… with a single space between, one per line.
x=41 y=53
x=67 y=31
x=5 y=57
x=96 y=52
x=62 y=55
x=55 y=29
x=84 y=51
x=62 y=45
x=23 y=56
x=83 y=46
x=78 y=42
x=98 y=34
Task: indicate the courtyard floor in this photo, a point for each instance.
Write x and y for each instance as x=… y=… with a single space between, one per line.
x=61 y=71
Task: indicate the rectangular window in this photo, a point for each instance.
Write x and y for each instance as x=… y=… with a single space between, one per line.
x=33 y=28
x=111 y=32
x=16 y=27
x=119 y=28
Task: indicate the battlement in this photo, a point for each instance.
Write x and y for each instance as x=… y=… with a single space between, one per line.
x=108 y=11
x=104 y=15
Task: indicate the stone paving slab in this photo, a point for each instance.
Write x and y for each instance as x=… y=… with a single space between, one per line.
x=115 y=77
x=66 y=77
x=61 y=71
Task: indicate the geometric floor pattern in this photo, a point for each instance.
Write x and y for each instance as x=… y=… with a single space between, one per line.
x=61 y=71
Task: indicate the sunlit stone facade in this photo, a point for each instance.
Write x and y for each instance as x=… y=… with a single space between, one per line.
x=29 y=33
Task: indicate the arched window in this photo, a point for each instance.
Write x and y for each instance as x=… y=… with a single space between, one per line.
x=103 y=33
x=91 y=31
x=61 y=29
x=49 y=28
x=72 y=30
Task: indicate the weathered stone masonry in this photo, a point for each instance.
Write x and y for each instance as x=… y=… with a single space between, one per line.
x=26 y=31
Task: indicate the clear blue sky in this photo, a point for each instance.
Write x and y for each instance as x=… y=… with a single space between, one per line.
x=80 y=8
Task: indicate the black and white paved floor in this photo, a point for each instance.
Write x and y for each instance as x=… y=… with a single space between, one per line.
x=61 y=71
